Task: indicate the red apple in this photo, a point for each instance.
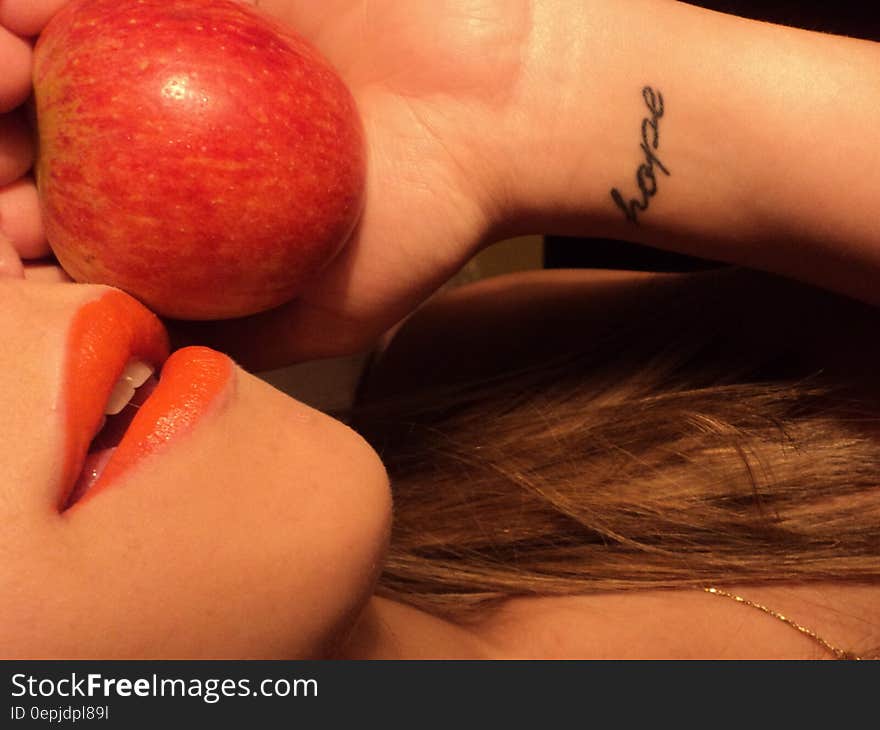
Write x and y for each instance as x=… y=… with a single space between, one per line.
x=193 y=153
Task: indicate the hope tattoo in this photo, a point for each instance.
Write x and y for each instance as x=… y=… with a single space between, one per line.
x=646 y=177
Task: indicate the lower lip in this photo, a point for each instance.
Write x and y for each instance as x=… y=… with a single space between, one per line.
x=195 y=380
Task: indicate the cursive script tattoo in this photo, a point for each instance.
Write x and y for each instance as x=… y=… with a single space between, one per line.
x=646 y=177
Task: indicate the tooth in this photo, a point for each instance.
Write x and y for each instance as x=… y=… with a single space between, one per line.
x=119 y=398
x=136 y=373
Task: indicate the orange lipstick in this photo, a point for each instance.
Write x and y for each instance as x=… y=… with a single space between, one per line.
x=192 y=380
x=106 y=334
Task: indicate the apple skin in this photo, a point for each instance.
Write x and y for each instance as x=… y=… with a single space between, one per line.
x=193 y=153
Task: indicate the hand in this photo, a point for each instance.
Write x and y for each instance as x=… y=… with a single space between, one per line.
x=21 y=233
x=431 y=80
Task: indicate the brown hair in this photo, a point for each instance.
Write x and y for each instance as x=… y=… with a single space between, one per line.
x=687 y=444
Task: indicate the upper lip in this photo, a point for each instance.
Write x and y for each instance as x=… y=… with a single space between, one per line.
x=105 y=334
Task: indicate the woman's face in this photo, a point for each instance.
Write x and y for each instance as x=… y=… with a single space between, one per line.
x=231 y=521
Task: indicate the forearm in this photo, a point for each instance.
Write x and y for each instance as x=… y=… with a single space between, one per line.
x=707 y=134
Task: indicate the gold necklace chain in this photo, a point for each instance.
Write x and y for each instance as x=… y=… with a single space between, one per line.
x=839 y=653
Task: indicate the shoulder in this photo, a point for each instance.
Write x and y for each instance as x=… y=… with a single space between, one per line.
x=691 y=624
x=513 y=321
x=474 y=330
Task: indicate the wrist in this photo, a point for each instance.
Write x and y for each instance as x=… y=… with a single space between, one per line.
x=639 y=121
x=762 y=157
x=577 y=121
x=641 y=125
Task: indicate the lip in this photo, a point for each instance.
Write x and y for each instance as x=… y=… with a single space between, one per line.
x=106 y=333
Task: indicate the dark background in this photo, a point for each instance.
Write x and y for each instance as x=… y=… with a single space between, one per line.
x=842 y=17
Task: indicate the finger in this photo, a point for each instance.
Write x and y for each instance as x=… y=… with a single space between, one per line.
x=15 y=77
x=16 y=148
x=291 y=333
x=27 y=17
x=46 y=271
x=10 y=263
x=20 y=219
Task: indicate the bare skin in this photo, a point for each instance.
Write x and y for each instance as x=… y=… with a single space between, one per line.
x=457 y=160
x=484 y=329
x=491 y=118
x=220 y=545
